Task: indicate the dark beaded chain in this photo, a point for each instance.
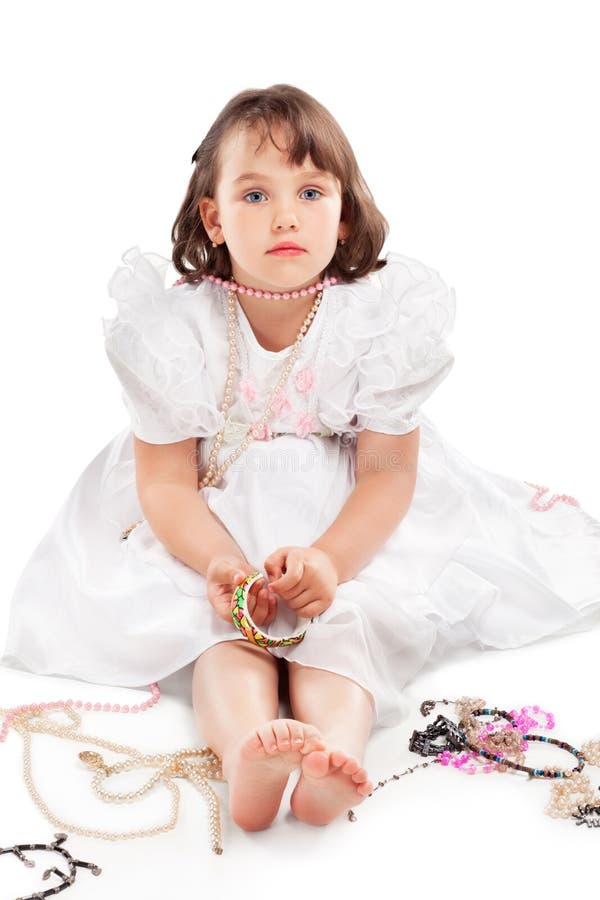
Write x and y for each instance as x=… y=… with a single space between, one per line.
x=534 y=773
x=55 y=846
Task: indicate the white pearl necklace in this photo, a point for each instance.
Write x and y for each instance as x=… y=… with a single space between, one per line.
x=214 y=475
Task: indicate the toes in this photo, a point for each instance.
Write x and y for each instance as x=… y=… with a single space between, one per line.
x=269 y=736
x=364 y=789
x=256 y=743
x=312 y=739
x=359 y=776
x=283 y=735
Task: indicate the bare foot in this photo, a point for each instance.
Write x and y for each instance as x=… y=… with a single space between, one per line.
x=331 y=783
x=257 y=771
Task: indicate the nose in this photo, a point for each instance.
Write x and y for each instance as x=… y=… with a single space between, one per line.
x=285 y=219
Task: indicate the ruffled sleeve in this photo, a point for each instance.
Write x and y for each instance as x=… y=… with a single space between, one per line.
x=388 y=349
x=409 y=356
x=155 y=347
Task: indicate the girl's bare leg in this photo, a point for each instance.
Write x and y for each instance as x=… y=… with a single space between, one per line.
x=236 y=703
x=332 y=781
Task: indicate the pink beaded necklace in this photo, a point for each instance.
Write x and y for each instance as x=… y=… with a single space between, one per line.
x=268 y=295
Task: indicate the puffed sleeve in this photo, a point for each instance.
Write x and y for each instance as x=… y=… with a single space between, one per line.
x=408 y=357
x=157 y=354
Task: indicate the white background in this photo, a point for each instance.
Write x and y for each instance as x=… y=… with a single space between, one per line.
x=475 y=127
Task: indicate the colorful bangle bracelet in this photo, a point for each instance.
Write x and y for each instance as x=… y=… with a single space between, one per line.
x=243 y=620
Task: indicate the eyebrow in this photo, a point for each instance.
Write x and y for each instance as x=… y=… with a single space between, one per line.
x=258 y=176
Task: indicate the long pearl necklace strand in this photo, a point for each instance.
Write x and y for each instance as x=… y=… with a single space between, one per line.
x=214 y=475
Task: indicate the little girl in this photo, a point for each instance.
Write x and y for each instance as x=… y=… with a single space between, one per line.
x=275 y=396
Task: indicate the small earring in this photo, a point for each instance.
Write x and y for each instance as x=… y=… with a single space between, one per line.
x=213 y=243
x=343 y=241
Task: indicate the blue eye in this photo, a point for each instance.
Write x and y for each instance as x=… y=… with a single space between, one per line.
x=314 y=190
x=253 y=192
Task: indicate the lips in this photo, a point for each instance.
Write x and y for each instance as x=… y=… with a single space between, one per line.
x=286 y=245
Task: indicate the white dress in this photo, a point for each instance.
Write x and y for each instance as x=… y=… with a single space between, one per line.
x=478 y=558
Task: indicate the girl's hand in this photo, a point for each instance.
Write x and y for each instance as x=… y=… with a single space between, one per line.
x=223 y=575
x=310 y=580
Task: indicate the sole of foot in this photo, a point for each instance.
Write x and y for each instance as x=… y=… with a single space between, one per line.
x=258 y=770
x=331 y=783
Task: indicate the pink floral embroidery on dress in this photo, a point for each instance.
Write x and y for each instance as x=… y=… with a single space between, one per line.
x=305 y=424
x=281 y=404
x=264 y=434
x=247 y=389
x=305 y=380
x=542 y=507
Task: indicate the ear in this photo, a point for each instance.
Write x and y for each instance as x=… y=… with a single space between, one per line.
x=210 y=217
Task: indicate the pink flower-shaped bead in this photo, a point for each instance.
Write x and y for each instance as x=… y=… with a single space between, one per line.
x=305 y=425
x=281 y=404
x=247 y=389
x=305 y=380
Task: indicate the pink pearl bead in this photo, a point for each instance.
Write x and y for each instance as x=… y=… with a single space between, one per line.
x=125 y=708
x=218 y=280
x=116 y=707
x=295 y=295
x=241 y=290
x=250 y=292
x=135 y=709
x=276 y=296
x=88 y=706
x=267 y=295
x=144 y=706
x=69 y=702
x=320 y=285
x=78 y=704
x=286 y=296
x=303 y=292
x=258 y=293
x=312 y=290
x=97 y=707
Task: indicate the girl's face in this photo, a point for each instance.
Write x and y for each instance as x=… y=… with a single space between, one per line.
x=253 y=212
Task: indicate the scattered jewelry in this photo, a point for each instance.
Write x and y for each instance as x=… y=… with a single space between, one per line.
x=67 y=880
x=571 y=796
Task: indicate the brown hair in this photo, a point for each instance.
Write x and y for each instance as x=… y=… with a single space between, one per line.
x=312 y=131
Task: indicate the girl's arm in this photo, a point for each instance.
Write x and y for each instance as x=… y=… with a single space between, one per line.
x=167 y=487
x=187 y=527
x=385 y=475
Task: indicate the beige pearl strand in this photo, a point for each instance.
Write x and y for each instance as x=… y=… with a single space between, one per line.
x=568 y=793
x=179 y=764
